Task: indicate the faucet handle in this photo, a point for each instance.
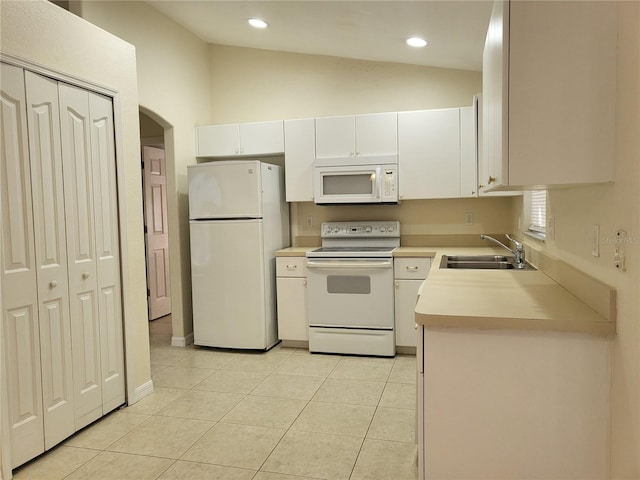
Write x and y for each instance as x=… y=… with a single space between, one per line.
x=519 y=245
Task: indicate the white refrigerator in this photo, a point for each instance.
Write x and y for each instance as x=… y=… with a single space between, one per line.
x=238 y=218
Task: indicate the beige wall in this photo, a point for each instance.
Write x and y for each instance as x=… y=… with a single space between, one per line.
x=613 y=207
x=173 y=81
x=253 y=85
x=43 y=34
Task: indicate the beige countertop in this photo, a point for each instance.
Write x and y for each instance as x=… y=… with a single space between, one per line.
x=502 y=299
x=294 y=251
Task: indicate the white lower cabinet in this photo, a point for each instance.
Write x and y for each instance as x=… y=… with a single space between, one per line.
x=409 y=274
x=291 y=287
x=512 y=404
x=60 y=265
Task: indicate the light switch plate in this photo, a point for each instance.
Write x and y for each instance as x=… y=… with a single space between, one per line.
x=595 y=241
x=468 y=218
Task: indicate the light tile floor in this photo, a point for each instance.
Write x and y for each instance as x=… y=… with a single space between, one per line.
x=280 y=415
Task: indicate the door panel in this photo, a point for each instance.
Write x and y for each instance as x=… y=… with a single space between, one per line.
x=19 y=294
x=51 y=256
x=156 y=220
x=108 y=252
x=81 y=252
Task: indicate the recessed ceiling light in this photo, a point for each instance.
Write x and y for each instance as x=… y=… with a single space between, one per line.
x=258 y=23
x=416 y=42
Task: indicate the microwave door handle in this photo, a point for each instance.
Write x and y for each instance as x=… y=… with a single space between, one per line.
x=378 y=186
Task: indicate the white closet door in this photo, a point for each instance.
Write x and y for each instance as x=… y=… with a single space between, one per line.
x=19 y=293
x=43 y=119
x=107 y=251
x=81 y=252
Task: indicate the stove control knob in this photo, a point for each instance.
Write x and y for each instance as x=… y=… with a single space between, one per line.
x=383 y=229
x=390 y=228
x=336 y=229
x=367 y=229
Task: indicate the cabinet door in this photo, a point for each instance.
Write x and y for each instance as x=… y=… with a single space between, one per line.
x=406 y=295
x=429 y=154
x=218 y=140
x=468 y=158
x=262 y=138
x=299 y=154
x=19 y=284
x=292 y=308
x=495 y=96
x=81 y=253
x=103 y=163
x=335 y=137
x=377 y=134
x=51 y=257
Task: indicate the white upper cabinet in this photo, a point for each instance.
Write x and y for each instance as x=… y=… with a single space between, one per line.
x=244 y=139
x=429 y=154
x=299 y=154
x=549 y=80
x=468 y=153
x=357 y=136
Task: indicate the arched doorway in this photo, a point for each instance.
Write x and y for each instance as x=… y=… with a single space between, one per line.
x=156 y=225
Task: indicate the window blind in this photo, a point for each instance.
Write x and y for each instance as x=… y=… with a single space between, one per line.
x=538 y=211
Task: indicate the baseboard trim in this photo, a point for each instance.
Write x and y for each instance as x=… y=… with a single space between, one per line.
x=182 y=341
x=142 y=391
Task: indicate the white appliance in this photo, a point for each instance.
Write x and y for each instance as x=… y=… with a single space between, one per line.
x=350 y=294
x=238 y=219
x=356 y=180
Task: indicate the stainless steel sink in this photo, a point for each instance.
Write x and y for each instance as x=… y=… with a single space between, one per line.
x=482 y=262
x=476 y=258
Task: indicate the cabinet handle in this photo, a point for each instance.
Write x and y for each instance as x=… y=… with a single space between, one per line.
x=480 y=187
x=237 y=150
x=397 y=284
x=492 y=179
x=241 y=150
x=415 y=326
x=357 y=153
x=412 y=269
x=85 y=275
x=53 y=284
x=304 y=282
x=291 y=267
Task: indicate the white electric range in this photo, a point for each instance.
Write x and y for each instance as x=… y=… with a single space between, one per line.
x=350 y=288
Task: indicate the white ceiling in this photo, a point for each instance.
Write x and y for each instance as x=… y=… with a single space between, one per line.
x=368 y=30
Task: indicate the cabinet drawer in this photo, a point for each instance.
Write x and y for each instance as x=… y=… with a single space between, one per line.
x=408 y=268
x=291 y=266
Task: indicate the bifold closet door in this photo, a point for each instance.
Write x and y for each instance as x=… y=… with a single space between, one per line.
x=19 y=283
x=108 y=252
x=43 y=120
x=92 y=250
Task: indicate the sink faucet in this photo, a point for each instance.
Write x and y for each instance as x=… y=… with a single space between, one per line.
x=518 y=252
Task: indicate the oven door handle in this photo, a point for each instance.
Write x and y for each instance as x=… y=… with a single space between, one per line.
x=351 y=264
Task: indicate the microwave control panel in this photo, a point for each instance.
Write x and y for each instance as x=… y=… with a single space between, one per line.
x=389 y=183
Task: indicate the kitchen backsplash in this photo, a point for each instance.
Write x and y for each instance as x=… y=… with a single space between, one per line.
x=422 y=222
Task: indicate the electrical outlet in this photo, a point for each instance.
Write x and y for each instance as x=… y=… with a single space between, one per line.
x=551 y=228
x=468 y=218
x=595 y=240
x=309 y=221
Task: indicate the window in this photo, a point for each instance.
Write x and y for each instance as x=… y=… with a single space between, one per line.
x=537 y=211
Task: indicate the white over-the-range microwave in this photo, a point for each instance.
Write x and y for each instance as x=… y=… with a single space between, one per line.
x=353 y=180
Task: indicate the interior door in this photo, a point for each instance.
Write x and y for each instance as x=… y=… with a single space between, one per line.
x=81 y=253
x=157 y=235
x=19 y=292
x=51 y=257
x=103 y=162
